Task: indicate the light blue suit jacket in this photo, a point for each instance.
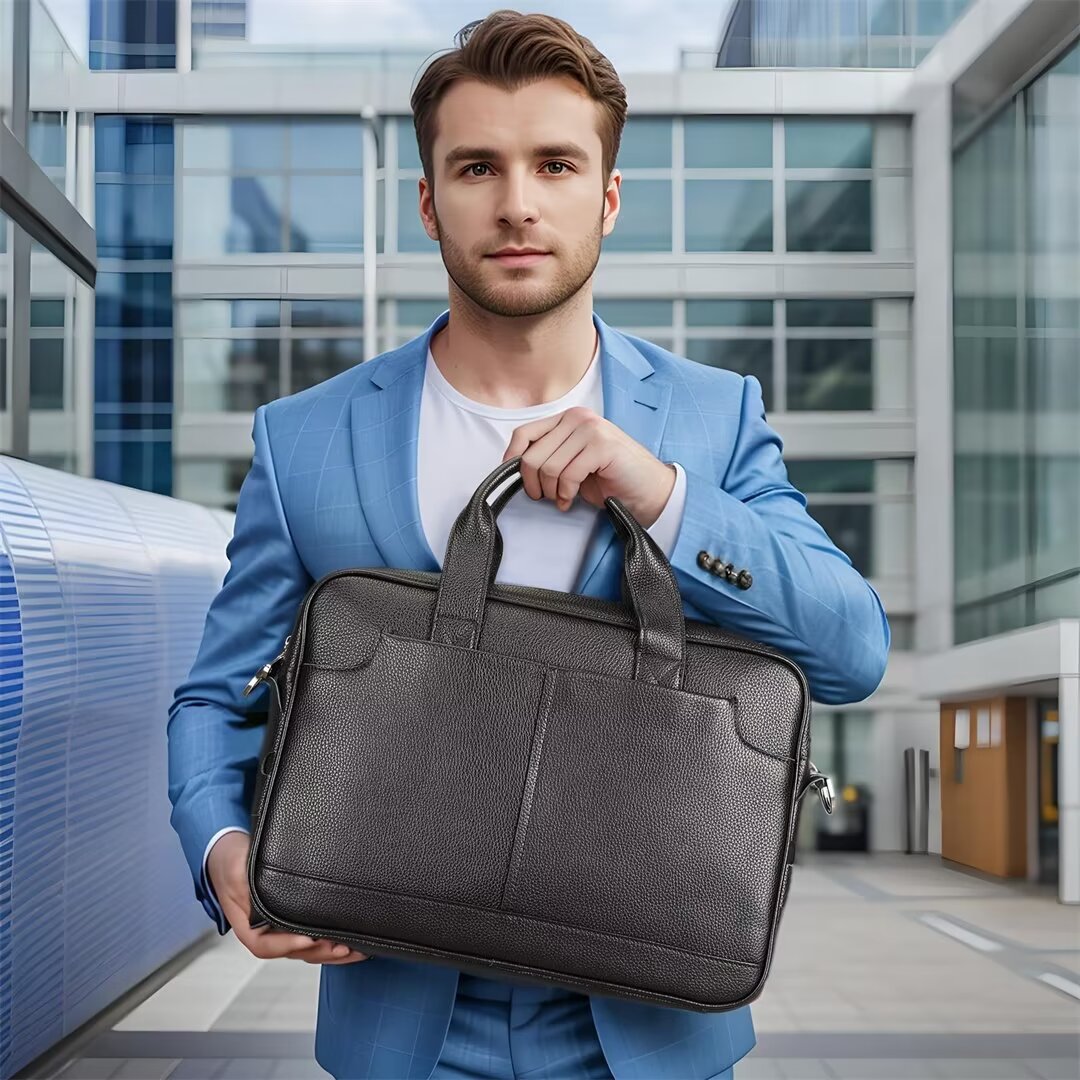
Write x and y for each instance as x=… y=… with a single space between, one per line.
x=333 y=485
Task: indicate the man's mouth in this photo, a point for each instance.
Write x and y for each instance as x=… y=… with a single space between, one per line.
x=511 y=257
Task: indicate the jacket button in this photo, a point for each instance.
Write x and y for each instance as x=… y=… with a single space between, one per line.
x=730 y=572
x=720 y=568
x=704 y=560
x=744 y=579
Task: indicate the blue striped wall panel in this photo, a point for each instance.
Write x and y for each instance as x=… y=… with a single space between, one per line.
x=103 y=597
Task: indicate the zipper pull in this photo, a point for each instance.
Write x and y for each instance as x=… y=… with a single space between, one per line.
x=264 y=672
x=824 y=788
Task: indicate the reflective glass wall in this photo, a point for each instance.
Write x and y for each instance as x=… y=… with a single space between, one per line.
x=723 y=184
x=835 y=33
x=133 y=377
x=128 y=35
x=57 y=355
x=1017 y=361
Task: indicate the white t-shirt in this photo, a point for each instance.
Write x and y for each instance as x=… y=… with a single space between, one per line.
x=462 y=440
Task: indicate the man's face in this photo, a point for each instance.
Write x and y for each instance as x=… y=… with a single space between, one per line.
x=521 y=169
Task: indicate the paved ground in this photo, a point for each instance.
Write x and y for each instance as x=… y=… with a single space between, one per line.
x=886 y=967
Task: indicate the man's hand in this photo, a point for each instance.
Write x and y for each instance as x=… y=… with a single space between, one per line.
x=227 y=867
x=579 y=452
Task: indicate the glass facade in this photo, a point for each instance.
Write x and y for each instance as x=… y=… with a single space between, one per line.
x=235 y=355
x=835 y=33
x=127 y=35
x=864 y=505
x=226 y=19
x=133 y=346
x=715 y=196
x=1016 y=376
x=250 y=186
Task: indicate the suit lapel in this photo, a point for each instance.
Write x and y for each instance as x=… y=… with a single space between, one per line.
x=385 y=422
x=385 y=426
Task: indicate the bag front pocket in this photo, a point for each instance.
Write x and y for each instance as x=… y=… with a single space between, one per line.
x=406 y=774
x=646 y=817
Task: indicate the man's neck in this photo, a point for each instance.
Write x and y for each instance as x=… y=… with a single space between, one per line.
x=514 y=362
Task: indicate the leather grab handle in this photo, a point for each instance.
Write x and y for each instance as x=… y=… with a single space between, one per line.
x=474 y=552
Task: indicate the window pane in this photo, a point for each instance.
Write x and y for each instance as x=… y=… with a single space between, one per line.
x=1060 y=600
x=47 y=312
x=837 y=476
x=133 y=299
x=239 y=144
x=411 y=235
x=828 y=215
x=828 y=375
x=830 y=312
x=729 y=313
x=133 y=146
x=225 y=215
x=327 y=214
x=408 y=153
x=644 y=222
x=885 y=17
x=133 y=371
x=746 y=356
x=850 y=529
x=317 y=359
x=234 y=375
x=326 y=144
x=46 y=373
x=257 y=144
x=713 y=142
x=729 y=215
x=328 y=313
x=47 y=139
x=620 y=313
x=196 y=316
x=134 y=219
x=828 y=144
x=645 y=143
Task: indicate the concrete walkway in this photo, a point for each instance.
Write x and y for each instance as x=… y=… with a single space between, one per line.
x=886 y=966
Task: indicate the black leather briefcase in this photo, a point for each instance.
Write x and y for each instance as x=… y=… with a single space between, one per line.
x=528 y=784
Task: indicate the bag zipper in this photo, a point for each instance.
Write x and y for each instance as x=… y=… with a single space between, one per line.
x=264 y=672
x=823 y=785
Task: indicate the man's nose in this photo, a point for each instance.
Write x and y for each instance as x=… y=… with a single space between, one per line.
x=518 y=203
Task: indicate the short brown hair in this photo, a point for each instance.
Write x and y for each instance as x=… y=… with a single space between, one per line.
x=509 y=50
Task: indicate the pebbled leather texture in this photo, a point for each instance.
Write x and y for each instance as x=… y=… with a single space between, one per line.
x=543 y=787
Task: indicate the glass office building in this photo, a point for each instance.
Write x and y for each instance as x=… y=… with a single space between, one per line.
x=800 y=229
x=834 y=33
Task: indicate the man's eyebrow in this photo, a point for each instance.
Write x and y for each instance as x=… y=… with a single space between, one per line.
x=487 y=153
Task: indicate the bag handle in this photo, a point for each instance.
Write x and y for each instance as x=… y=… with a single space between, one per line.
x=474 y=552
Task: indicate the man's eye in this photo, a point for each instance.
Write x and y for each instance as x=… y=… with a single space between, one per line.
x=475 y=165
x=561 y=165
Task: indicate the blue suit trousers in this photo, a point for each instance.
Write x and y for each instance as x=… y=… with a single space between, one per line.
x=505 y=1031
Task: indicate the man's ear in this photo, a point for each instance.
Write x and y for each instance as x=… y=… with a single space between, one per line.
x=427 y=209
x=612 y=201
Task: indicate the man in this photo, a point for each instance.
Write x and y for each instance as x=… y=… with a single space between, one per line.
x=518 y=131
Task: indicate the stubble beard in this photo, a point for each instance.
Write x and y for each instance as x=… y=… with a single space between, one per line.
x=469 y=273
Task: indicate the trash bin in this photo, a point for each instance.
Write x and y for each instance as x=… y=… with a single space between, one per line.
x=848 y=827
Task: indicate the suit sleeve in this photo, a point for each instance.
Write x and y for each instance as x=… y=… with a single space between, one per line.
x=213 y=745
x=805 y=598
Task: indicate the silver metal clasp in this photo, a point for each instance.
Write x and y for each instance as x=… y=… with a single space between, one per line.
x=264 y=672
x=824 y=788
